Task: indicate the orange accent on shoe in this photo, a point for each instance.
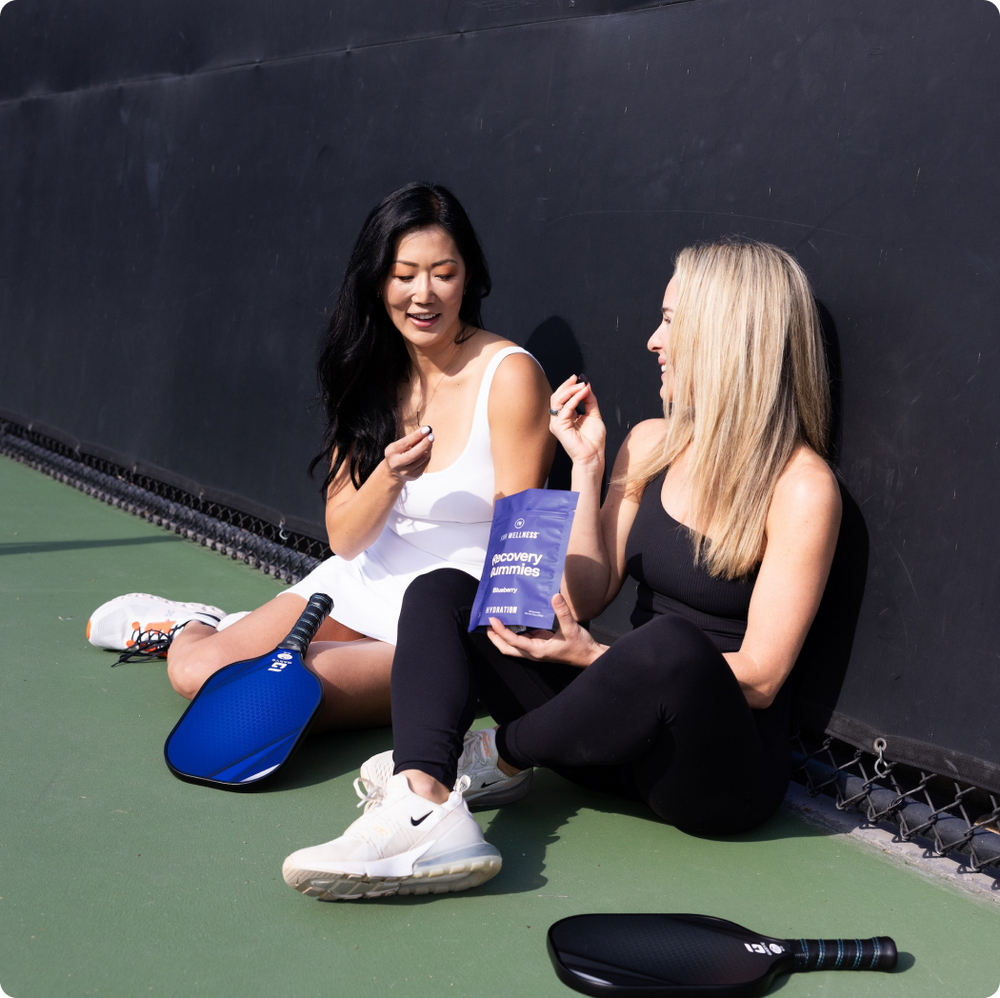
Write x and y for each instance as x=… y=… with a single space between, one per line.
x=161 y=626
x=135 y=630
x=88 y=630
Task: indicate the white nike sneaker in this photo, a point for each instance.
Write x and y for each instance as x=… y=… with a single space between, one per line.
x=488 y=785
x=139 y=619
x=405 y=844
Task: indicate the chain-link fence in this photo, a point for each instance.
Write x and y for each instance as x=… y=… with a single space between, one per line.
x=946 y=817
x=286 y=555
x=949 y=818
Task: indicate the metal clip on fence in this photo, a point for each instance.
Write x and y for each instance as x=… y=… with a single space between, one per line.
x=945 y=825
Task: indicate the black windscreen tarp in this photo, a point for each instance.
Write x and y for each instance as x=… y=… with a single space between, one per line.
x=181 y=183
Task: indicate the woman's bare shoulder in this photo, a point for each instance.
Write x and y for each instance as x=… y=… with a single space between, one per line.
x=483 y=345
x=643 y=439
x=807 y=488
x=642 y=442
x=520 y=392
x=519 y=371
x=487 y=343
x=519 y=422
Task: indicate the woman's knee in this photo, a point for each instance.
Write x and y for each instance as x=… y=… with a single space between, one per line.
x=443 y=585
x=436 y=595
x=667 y=651
x=677 y=630
x=182 y=676
x=190 y=663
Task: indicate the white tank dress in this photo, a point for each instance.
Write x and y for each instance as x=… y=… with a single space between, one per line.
x=441 y=520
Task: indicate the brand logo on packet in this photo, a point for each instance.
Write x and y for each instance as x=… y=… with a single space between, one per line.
x=525 y=566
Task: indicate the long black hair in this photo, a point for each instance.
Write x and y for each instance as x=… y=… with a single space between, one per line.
x=363 y=357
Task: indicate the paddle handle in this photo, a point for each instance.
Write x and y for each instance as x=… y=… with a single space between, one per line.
x=307 y=625
x=877 y=953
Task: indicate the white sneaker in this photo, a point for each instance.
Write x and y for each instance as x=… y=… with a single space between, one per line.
x=231 y=618
x=403 y=845
x=138 y=618
x=488 y=785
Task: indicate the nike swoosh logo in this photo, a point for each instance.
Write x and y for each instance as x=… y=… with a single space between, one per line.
x=493 y=784
x=416 y=821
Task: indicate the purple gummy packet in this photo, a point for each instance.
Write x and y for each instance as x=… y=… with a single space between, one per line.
x=524 y=559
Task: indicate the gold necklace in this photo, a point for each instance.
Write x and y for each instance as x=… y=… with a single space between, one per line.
x=444 y=374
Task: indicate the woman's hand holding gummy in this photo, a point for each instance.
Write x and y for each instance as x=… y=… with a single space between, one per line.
x=407 y=458
x=582 y=437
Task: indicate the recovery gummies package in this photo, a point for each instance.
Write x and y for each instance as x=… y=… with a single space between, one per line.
x=524 y=560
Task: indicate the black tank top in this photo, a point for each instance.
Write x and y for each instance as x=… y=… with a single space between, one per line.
x=659 y=554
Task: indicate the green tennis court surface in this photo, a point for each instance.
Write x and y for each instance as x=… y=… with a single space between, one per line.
x=117 y=879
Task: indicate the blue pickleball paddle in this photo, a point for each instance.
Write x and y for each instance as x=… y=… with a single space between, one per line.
x=249 y=717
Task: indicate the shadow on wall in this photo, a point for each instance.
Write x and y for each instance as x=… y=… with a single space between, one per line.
x=822 y=664
x=831 y=344
x=554 y=346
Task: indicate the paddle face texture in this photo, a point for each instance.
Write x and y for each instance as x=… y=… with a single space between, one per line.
x=245 y=721
x=248 y=718
x=681 y=956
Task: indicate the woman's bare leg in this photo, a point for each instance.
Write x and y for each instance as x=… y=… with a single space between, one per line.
x=199 y=651
x=355 y=677
x=354 y=673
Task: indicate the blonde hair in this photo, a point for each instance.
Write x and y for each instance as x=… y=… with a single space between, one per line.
x=750 y=383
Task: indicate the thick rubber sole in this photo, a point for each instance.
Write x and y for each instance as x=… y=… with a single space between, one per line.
x=507 y=794
x=445 y=874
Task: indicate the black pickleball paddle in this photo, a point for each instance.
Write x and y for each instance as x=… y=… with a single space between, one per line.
x=249 y=717
x=693 y=956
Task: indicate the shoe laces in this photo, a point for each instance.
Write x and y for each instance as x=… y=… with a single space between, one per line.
x=147 y=645
x=370 y=793
x=473 y=751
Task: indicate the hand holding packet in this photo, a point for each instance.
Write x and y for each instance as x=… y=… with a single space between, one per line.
x=524 y=559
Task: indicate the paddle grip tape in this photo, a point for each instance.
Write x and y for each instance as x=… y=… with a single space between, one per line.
x=877 y=953
x=307 y=625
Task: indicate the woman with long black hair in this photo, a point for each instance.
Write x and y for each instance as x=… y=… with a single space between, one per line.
x=726 y=513
x=405 y=351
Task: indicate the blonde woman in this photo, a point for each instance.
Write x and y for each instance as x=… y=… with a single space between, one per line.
x=726 y=513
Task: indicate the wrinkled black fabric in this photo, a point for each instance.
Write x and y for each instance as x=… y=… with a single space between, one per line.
x=659 y=717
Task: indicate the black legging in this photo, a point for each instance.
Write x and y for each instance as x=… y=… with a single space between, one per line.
x=658 y=717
